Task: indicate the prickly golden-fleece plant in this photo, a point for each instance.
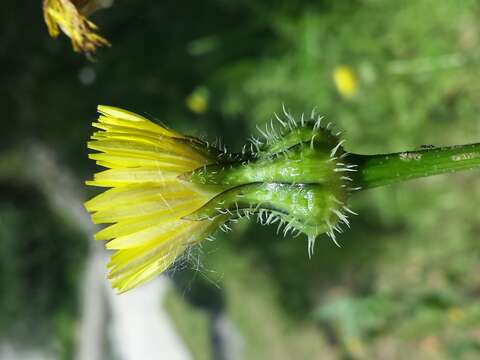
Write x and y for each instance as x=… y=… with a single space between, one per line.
x=168 y=191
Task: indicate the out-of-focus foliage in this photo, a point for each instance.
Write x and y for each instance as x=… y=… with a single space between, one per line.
x=405 y=282
x=39 y=272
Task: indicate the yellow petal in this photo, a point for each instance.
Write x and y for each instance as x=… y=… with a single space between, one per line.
x=121 y=147
x=129 y=260
x=124 y=196
x=115 y=116
x=144 y=273
x=158 y=233
x=122 y=177
x=122 y=161
x=141 y=210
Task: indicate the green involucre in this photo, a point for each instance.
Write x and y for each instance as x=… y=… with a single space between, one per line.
x=297 y=178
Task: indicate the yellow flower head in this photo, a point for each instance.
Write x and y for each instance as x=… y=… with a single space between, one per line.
x=346 y=81
x=67 y=16
x=197 y=101
x=148 y=200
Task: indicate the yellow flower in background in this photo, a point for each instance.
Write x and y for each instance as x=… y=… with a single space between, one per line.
x=147 y=200
x=67 y=16
x=197 y=101
x=455 y=314
x=355 y=346
x=346 y=81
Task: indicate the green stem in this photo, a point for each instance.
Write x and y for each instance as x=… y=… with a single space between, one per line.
x=385 y=169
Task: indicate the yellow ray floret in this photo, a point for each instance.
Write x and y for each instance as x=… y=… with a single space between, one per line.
x=147 y=202
x=65 y=16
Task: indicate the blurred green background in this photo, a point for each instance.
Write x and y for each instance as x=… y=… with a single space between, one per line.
x=406 y=281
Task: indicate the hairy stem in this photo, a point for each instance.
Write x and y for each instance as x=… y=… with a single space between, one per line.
x=385 y=169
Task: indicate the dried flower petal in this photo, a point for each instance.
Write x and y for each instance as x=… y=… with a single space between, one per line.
x=65 y=16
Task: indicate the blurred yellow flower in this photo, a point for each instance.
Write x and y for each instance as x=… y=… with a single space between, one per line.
x=355 y=346
x=148 y=201
x=346 y=81
x=197 y=101
x=67 y=16
x=455 y=314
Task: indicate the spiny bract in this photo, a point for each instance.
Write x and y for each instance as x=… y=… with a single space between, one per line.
x=169 y=191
